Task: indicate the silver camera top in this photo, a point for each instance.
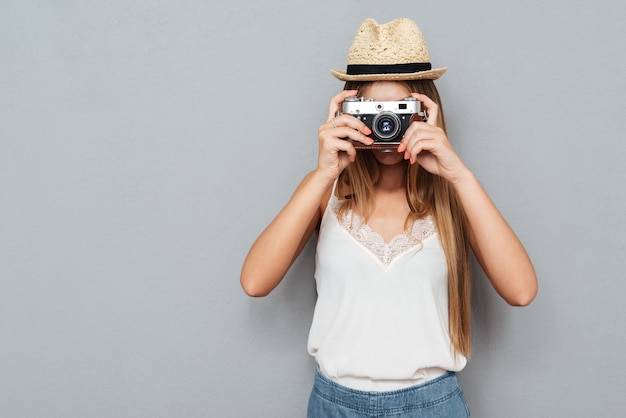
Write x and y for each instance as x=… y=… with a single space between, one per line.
x=360 y=105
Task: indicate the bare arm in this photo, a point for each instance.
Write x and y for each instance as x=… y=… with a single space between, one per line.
x=281 y=242
x=275 y=250
x=498 y=250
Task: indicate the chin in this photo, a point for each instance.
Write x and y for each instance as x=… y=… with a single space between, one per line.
x=388 y=156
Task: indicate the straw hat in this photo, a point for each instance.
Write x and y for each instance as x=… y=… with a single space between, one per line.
x=392 y=51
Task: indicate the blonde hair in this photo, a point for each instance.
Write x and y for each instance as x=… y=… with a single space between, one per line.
x=426 y=193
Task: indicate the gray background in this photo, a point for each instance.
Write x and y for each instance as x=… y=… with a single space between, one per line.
x=145 y=144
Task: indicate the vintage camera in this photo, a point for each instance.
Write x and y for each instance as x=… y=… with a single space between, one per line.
x=387 y=120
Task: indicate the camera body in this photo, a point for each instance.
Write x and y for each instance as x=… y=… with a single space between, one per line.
x=387 y=120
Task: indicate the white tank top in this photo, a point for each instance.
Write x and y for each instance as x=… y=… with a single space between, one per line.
x=381 y=317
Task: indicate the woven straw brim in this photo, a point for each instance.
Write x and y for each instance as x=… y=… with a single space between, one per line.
x=422 y=75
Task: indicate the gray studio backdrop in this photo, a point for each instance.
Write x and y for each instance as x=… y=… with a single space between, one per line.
x=145 y=144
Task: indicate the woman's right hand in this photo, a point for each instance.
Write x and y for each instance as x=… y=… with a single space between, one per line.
x=335 y=153
x=275 y=250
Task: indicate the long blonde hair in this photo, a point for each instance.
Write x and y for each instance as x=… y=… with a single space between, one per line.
x=425 y=193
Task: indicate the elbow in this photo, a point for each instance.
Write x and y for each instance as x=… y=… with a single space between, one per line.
x=251 y=286
x=525 y=296
x=522 y=300
x=254 y=292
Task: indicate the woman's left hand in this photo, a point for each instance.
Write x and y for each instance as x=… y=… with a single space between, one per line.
x=497 y=248
x=427 y=144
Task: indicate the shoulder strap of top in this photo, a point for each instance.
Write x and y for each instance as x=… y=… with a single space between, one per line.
x=332 y=201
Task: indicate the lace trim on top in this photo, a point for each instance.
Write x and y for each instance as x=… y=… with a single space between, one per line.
x=355 y=225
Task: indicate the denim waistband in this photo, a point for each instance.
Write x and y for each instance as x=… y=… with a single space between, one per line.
x=428 y=394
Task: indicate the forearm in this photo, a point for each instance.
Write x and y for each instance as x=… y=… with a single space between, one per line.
x=496 y=246
x=275 y=250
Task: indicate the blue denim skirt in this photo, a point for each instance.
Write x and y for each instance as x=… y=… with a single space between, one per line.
x=439 y=397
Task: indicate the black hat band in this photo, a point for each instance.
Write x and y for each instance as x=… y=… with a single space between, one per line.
x=361 y=69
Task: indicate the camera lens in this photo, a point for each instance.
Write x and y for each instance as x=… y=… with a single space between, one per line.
x=386 y=125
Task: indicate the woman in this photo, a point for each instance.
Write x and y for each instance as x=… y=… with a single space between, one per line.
x=392 y=320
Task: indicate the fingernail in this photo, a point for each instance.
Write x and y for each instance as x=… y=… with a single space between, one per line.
x=406 y=155
x=401 y=147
